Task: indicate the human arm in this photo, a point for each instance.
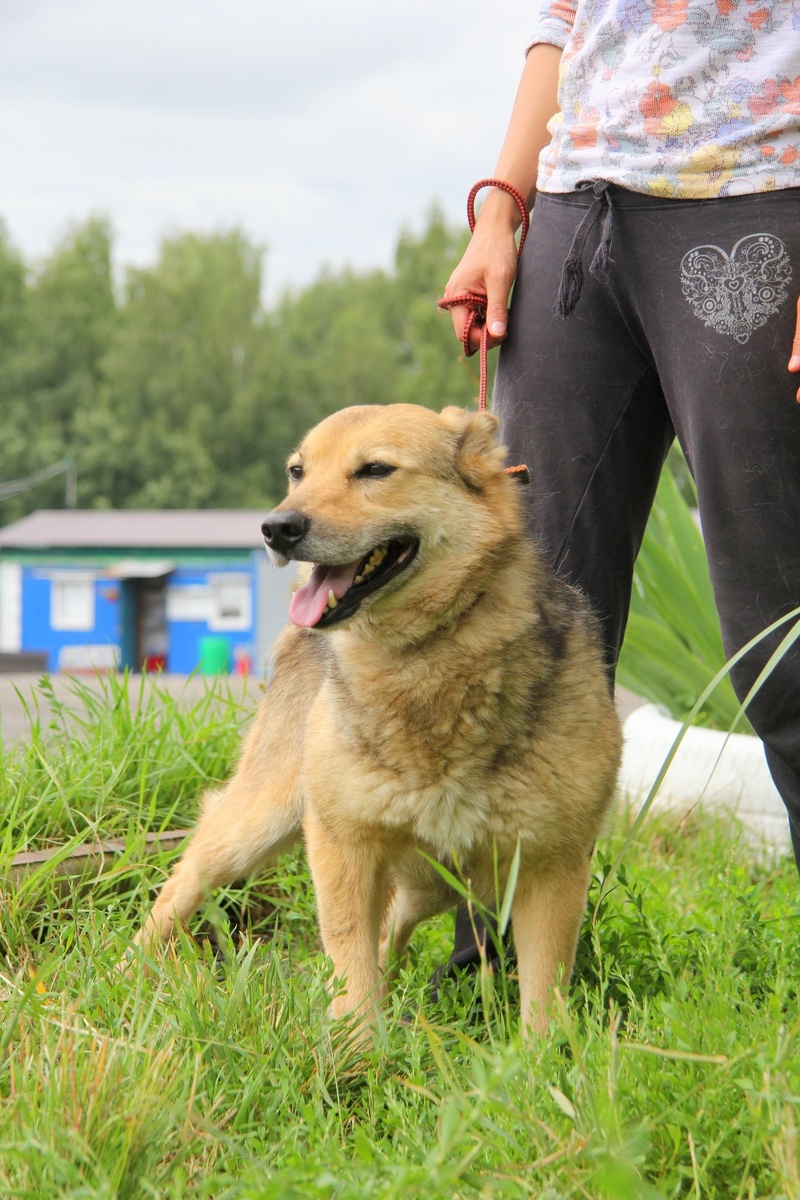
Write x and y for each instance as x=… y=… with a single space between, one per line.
x=490 y=261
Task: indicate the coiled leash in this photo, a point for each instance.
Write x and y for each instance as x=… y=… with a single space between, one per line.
x=477 y=303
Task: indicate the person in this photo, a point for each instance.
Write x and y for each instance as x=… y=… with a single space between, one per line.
x=654 y=298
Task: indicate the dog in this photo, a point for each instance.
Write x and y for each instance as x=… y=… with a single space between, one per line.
x=438 y=690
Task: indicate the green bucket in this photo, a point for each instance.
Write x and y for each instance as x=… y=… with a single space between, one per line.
x=215 y=656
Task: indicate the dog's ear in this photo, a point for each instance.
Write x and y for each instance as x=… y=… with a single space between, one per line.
x=478 y=453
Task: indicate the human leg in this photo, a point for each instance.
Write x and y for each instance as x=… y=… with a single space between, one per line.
x=715 y=284
x=581 y=405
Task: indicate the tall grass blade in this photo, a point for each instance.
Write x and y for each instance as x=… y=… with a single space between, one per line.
x=673 y=644
x=504 y=915
x=723 y=673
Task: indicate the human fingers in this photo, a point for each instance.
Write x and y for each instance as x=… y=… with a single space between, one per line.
x=460 y=285
x=794 y=361
x=487 y=269
x=459 y=316
x=496 y=319
x=495 y=286
x=498 y=285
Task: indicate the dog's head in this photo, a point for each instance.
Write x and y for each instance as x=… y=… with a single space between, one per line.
x=384 y=498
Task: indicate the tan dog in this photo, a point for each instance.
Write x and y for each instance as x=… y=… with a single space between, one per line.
x=440 y=691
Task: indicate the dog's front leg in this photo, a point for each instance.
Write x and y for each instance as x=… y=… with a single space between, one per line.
x=241 y=830
x=256 y=816
x=546 y=915
x=350 y=883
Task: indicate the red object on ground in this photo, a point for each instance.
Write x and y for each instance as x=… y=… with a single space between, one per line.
x=242 y=662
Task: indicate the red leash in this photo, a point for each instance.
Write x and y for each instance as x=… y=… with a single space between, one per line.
x=475 y=302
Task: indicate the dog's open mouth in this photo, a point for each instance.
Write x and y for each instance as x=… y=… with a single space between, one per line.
x=334 y=593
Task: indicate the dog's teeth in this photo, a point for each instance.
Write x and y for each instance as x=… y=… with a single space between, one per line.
x=332 y=601
x=374 y=560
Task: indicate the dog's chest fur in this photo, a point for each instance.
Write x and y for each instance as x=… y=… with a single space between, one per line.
x=425 y=742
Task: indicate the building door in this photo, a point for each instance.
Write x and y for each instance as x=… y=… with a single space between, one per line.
x=144 y=624
x=151 y=624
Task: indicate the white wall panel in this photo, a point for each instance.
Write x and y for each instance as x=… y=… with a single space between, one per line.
x=10 y=607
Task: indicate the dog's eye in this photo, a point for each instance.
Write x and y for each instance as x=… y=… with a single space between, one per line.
x=295 y=472
x=374 y=470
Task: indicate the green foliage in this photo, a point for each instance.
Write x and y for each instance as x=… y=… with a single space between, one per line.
x=184 y=392
x=50 y=354
x=12 y=297
x=180 y=351
x=673 y=1070
x=673 y=645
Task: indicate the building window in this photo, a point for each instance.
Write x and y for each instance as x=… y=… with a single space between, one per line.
x=231 y=603
x=72 y=603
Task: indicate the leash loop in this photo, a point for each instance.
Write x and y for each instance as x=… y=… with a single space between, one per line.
x=475 y=302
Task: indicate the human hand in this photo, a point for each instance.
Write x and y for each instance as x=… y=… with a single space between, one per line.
x=794 y=361
x=487 y=268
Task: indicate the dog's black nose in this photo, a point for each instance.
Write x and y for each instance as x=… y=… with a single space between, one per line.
x=283 y=530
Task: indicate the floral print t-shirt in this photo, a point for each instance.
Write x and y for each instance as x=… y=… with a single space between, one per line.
x=681 y=98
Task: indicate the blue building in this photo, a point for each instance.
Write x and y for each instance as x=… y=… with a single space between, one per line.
x=146 y=590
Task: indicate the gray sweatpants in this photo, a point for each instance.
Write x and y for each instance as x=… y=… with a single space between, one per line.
x=688 y=334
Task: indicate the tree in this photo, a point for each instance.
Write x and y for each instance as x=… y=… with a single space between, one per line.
x=435 y=372
x=350 y=338
x=185 y=393
x=12 y=300
x=51 y=346
x=162 y=431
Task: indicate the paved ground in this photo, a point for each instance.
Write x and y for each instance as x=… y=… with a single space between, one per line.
x=16 y=688
x=13 y=688
x=627 y=702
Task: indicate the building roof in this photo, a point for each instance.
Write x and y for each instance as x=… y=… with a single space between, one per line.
x=217 y=529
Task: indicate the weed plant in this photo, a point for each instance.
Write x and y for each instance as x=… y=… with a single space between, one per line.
x=670 y=1070
x=673 y=644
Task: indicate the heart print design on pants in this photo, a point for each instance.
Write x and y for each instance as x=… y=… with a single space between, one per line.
x=737 y=293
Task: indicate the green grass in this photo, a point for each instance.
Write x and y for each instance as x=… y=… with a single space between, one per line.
x=672 y=1070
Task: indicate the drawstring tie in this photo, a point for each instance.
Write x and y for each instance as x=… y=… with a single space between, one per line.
x=571 y=285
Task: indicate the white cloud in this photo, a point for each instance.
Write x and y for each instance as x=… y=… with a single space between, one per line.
x=319 y=128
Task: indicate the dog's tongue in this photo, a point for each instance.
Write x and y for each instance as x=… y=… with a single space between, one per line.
x=309 y=602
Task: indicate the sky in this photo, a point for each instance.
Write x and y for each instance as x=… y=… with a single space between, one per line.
x=320 y=128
